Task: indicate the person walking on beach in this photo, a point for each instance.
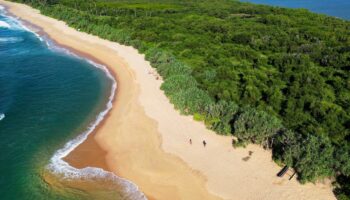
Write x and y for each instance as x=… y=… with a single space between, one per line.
x=191 y=141
x=204 y=143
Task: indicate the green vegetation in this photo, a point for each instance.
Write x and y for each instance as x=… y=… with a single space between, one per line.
x=271 y=76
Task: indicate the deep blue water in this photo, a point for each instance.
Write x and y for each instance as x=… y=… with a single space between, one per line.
x=336 y=8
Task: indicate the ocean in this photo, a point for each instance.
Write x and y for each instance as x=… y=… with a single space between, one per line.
x=336 y=8
x=50 y=100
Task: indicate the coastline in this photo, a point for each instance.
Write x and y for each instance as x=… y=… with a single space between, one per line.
x=60 y=172
x=146 y=141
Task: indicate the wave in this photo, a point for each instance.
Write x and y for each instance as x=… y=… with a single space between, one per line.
x=10 y=39
x=12 y=23
x=60 y=167
x=4 y=25
x=2 y=116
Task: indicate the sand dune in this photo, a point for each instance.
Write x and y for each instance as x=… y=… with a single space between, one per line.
x=145 y=140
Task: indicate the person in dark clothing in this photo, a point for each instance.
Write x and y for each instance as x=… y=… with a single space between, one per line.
x=204 y=143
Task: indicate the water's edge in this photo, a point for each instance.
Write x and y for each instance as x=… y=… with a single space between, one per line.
x=57 y=165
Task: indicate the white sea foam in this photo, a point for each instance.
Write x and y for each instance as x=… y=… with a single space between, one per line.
x=10 y=39
x=4 y=25
x=58 y=166
x=14 y=23
x=2 y=116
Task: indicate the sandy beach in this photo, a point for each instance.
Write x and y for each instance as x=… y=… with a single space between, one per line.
x=145 y=140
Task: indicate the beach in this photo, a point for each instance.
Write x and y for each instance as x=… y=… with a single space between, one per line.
x=145 y=140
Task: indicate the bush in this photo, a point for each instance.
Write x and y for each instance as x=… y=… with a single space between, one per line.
x=190 y=100
x=256 y=126
x=176 y=83
x=220 y=116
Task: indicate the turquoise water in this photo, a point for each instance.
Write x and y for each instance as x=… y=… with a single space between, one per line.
x=47 y=98
x=336 y=8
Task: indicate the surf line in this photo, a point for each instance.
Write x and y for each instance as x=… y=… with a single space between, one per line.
x=60 y=167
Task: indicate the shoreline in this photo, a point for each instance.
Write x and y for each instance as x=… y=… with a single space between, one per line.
x=101 y=166
x=120 y=62
x=146 y=140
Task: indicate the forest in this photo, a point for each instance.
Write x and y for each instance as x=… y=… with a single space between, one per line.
x=266 y=75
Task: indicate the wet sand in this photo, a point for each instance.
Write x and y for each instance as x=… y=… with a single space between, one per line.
x=145 y=140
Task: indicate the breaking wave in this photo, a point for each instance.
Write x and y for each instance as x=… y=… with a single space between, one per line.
x=11 y=39
x=4 y=25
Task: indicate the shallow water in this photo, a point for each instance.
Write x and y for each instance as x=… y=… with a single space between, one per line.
x=336 y=8
x=47 y=98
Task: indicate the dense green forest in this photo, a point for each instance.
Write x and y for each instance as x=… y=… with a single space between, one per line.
x=272 y=76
